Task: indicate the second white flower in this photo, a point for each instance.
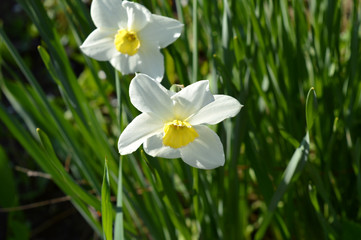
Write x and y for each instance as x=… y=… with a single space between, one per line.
x=130 y=37
x=172 y=125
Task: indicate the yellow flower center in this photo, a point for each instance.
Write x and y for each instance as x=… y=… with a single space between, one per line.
x=178 y=134
x=127 y=42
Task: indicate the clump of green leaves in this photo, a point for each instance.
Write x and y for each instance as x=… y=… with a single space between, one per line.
x=292 y=167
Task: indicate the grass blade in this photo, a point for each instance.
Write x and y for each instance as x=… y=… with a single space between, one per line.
x=107 y=210
x=195 y=42
x=118 y=225
x=295 y=166
x=311 y=108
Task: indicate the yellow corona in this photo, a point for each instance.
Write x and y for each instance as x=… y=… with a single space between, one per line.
x=127 y=42
x=178 y=134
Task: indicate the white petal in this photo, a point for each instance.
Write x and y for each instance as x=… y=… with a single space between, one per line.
x=142 y=127
x=205 y=152
x=148 y=60
x=192 y=98
x=108 y=14
x=161 y=30
x=124 y=63
x=138 y=15
x=154 y=147
x=221 y=108
x=151 y=62
x=150 y=96
x=100 y=45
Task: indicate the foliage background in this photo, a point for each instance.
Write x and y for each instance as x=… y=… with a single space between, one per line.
x=283 y=178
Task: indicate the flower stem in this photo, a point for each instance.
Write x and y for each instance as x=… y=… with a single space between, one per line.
x=195 y=42
x=119 y=98
x=196 y=197
x=118 y=225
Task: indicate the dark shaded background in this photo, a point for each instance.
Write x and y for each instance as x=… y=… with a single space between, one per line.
x=52 y=220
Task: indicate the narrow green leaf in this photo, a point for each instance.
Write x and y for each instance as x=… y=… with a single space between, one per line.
x=40 y=93
x=295 y=165
x=118 y=225
x=8 y=193
x=350 y=230
x=288 y=137
x=38 y=154
x=319 y=195
x=107 y=211
x=196 y=195
x=357 y=167
x=47 y=61
x=195 y=42
x=57 y=171
x=227 y=53
x=171 y=208
x=311 y=108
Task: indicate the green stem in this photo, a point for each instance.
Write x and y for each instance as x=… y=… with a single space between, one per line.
x=195 y=42
x=118 y=225
x=119 y=98
x=196 y=197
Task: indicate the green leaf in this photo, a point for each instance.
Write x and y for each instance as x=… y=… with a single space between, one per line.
x=195 y=43
x=311 y=108
x=14 y=222
x=107 y=210
x=45 y=159
x=84 y=167
x=7 y=184
x=357 y=167
x=17 y=229
x=57 y=171
x=295 y=165
x=118 y=225
x=350 y=230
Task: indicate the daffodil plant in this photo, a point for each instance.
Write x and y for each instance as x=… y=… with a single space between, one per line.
x=129 y=36
x=173 y=125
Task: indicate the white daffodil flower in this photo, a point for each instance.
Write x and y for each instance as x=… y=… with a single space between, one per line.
x=130 y=37
x=172 y=125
